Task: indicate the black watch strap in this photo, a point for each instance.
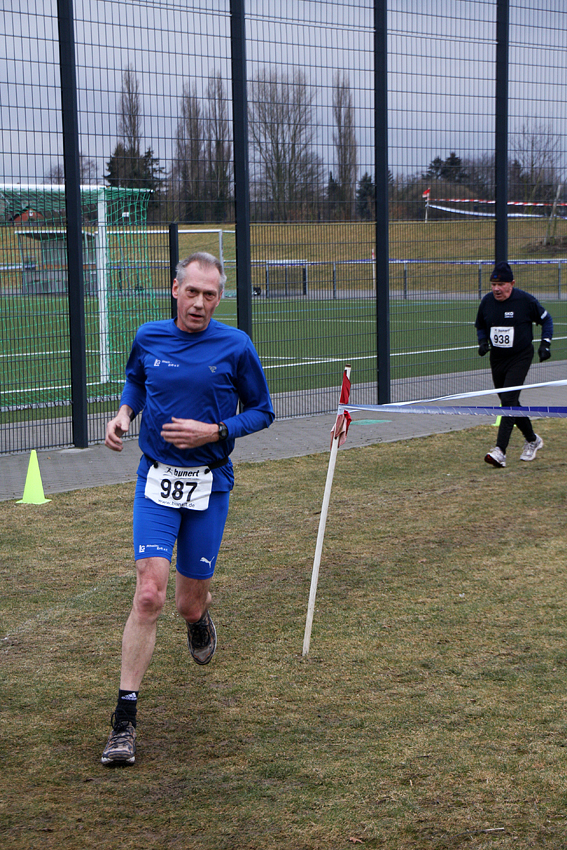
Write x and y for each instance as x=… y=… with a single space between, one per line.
x=223 y=432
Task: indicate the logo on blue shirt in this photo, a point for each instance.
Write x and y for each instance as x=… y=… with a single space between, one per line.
x=166 y=363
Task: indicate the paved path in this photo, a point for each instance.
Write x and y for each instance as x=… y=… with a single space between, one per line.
x=73 y=469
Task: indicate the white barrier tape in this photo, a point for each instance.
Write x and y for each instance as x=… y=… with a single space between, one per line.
x=478 y=393
x=509 y=203
x=537 y=411
x=428 y=405
x=475 y=214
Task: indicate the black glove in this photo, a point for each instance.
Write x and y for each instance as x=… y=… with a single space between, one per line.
x=544 y=350
x=484 y=347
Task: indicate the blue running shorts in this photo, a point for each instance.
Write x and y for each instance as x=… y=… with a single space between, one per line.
x=198 y=533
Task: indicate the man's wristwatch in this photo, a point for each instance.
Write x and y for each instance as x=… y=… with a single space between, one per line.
x=223 y=432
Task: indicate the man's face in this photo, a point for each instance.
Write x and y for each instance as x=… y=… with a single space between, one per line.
x=502 y=289
x=197 y=296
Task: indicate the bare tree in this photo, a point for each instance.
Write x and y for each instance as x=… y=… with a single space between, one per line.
x=344 y=139
x=130 y=120
x=282 y=132
x=88 y=172
x=535 y=167
x=188 y=173
x=219 y=150
x=481 y=176
x=56 y=174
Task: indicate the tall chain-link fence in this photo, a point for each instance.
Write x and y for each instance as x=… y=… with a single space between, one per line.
x=140 y=116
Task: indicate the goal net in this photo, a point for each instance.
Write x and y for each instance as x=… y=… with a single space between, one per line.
x=33 y=248
x=286 y=278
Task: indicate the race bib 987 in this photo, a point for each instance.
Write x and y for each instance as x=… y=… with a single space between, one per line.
x=502 y=337
x=179 y=487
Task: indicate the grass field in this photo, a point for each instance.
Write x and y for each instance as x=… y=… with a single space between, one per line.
x=303 y=343
x=429 y=715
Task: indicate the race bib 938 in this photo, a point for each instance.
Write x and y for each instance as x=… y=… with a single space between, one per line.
x=502 y=337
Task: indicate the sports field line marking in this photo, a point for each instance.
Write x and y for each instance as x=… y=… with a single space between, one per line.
x=63 y=607
x=302 y=362
x=57 y=387
x=317 y=362
x=17 y=354
x=320 y=361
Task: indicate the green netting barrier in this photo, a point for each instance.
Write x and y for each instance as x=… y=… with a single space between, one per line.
x=119 y=291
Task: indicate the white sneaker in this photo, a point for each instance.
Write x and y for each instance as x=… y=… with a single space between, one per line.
x=496 y=457
x=530 y=449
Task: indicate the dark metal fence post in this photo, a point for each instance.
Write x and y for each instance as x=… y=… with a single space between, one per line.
x=173 y=260
x=501 y=141
x=74 y=222
x=241 y=166
x=381 y=205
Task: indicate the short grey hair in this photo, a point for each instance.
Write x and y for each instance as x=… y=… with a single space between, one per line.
x=203 y=259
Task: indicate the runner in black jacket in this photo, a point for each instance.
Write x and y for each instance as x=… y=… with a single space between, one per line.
x=504 y=327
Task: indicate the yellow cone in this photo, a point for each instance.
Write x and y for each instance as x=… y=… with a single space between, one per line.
x=33 y=491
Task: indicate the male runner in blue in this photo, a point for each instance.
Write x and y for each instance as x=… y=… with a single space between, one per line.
x=187 y=375
x=504 y=327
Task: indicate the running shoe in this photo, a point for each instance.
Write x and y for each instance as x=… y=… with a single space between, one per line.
x=530 y=449
x=496 y=457
x=121 y=745
x=202 y=639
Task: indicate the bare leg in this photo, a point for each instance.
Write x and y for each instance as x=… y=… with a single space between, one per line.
x=192 y=597
x=139 y=636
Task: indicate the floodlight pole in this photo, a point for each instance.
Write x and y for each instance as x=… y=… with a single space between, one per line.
x=381 y=202
x=74 y=222
x=173 y=260
x=501 y=140
x=241 y=166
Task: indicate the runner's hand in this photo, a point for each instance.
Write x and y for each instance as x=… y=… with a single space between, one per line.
x=544 y=351
x=116 y=429
x=189 y=433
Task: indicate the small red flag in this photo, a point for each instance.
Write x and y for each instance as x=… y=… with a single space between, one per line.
x=426 y=193
x=340 y=428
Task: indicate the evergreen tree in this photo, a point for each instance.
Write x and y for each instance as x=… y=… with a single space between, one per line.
x=366 y=198
x=450 y=169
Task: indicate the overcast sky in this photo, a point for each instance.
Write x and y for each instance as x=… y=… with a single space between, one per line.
x=441 y=72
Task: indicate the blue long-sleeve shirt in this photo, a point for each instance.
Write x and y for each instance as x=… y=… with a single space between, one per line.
x=199 y=376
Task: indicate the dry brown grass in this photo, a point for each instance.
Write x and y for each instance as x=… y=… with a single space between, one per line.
x=429 y=714
x=327 y=242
